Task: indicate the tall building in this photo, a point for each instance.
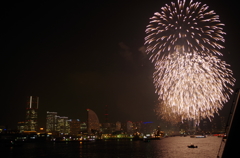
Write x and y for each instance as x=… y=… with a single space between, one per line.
x=51 y=121
x=57 y=124
x=83 y=127
x=147 y=127
x=31 y=113
x=92 y=122
x=118 y=126
x=129 y=127
x=74 y=126
x=106 y=128
x=138 y=126
x=21 y=126
x=205 y=125
x=63 y=126
x=124 y=126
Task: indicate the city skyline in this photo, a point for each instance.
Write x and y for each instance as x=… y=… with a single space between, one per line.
x=55 y=123
x=88 y=55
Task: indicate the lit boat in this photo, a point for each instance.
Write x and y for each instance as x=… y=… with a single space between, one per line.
x=192 y=136
x=200 y=136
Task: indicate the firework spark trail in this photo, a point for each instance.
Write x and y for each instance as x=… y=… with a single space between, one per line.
x=193 y=27
x=165 y=112
x=193 y=86
x=189 y=78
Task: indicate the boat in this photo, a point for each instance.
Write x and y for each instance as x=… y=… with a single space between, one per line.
x=203 y=136
x=192 y=146
x=146 y=139
x=223 y=136
x=199 y=136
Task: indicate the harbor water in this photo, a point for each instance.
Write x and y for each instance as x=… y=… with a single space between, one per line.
x=172 y=147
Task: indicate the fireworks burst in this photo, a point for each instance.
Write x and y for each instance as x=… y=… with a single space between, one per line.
x=193 y=27
x=184 y=41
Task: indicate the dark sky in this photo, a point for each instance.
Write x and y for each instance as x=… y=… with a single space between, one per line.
x=88 y=54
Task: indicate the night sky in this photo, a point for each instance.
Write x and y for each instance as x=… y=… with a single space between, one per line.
x=88 y=54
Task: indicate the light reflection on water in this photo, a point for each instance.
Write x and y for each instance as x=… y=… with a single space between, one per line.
x=166 y=148
x=177 y=147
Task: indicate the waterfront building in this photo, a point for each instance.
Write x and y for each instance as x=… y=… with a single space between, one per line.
x=205 y=125
x=124 y=127
x=31 y=113
x=20 y=126
x=192 y=126
x=2 y=129
x=129 y=127
x=57 y=124
x=147 y=127
x=105 y=128
x=108 y=128
x=92 y=122
x=184 y=126
x=63 y=126
x=83 y=127
x=214 y=126
x=51 y=121
x=74 y=126
x=118 y=126
x=138 y=127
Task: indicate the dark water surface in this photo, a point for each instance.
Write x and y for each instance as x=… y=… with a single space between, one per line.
x=165 y=148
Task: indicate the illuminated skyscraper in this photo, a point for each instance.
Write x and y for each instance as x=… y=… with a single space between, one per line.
x=92 y=122
x=56 y=123
x=51 y=121
x=63 y=125
x=31 y=113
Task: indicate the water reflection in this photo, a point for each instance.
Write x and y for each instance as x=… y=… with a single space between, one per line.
x=166 y=148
